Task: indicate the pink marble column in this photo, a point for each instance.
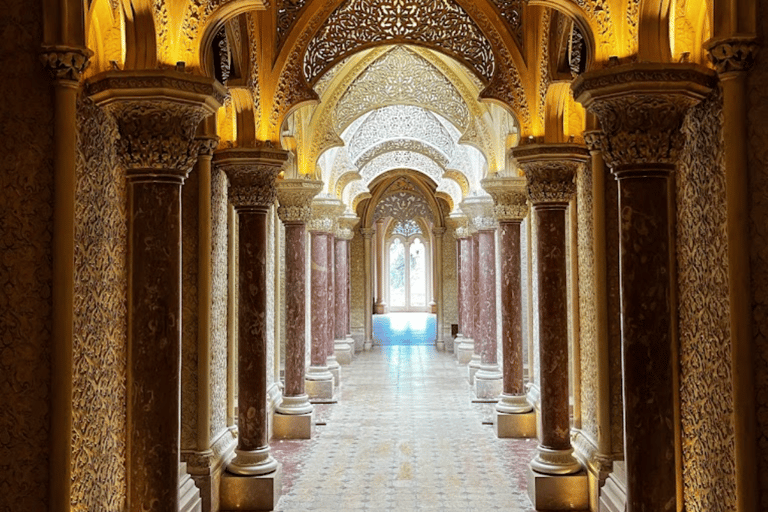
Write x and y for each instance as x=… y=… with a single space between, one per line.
x=550 y=169
x=318 y=370
x=295 y=196
x=156 y=123
x=488 y=377
x=330 y=311
x=342 y=347
x=474 y=363
x=641 y=108
x=252 y=174
x=465 y=347
x=510 y=208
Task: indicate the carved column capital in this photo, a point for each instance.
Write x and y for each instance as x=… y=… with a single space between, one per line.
x=65 y=63
x=325 y=213
x=157 y=114
x=438 y=232
x=550 y=169
x=207 y=145
x=346 y=223
x=295 y=197
x=593 y=140
x=732 y=54
x=509 y=197
x=641 y=109
x=367 y=233
x=479 y=211
x=252 y=173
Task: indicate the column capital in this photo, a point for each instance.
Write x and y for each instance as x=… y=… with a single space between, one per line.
x=733 y=54
x=479 y=211
x=593 y=140
x=207 y=145
x=65 y=63
x=550 y=169
x=458 y=223
x=157 y=114
x=346 y=225
x=367 y=233
x=438 y=232
x=641 y=107
x=252 y=173
x=295 y=197
x=325 y=213
x=509 y=197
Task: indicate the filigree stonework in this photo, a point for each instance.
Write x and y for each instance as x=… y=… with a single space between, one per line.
x=732 y=54
x=64 y=62
x=295 y=197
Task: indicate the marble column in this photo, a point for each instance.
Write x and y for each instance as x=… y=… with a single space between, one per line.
x=157 y=114
x=368 y=298
x=641 y=109
x=550 y=169
x=294 y=414
x=438 y=277
x=66 y=65
x=488 y=378
x=380 y=307
x=464 y=339
x=319 y=378
x=342 y=346
x=252 y=174
x=514 y=416
x=330 y=310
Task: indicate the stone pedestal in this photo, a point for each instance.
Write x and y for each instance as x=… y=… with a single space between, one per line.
x=292 y=426
x=641 y=108
x=550 y=169
x=514 y=425
x=558 y=492
x=251 y=493
x=252 y=174
x=613 y=494
x=157 y=114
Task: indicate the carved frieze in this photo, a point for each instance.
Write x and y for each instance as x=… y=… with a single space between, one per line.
x=251 y=173
x=550 y=169
x=65 y=62
x=732 y=54
x=295 y=197
x=509 y=197
x=157 y=114
x=641 y=109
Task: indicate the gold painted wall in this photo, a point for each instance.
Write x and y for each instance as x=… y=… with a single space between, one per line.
x=758 y=171
x=26 y=135
x=706 y=382
x=100 y=318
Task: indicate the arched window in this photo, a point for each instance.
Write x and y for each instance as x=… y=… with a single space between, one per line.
x=408 y=278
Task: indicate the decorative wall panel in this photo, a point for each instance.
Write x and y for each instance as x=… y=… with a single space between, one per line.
x=586 y=297
x=219 y=303
x=189 y=298
x=100 y=318
x=357 y=304
x=758 y=172
x=450 y=286
x=358 y=22
x=706 y=382
x=26 y=173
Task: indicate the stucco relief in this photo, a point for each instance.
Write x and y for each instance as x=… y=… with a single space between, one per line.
x=357 y=263
x=25 y=269
x=189 y=299
x=218 y=379
x=100 y=318
x=586 y=299
x=706 y=381
x=758 y=163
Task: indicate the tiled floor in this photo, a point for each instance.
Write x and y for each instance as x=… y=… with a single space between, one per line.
x=404 y=436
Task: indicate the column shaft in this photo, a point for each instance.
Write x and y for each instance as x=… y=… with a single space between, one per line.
x=368 y=298
x=466 y=272
x=295 y=304
x=380 y=304
x=341 y=287
x=319 y=291
x=438 y=277
x=511 y=304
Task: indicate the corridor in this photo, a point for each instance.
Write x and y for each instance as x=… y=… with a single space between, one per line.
x=403 y=437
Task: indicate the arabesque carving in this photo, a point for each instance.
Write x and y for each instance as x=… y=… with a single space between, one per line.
x=65 y=62
x=550 y=169
x=512 y=13
x=641 y=109
x=356 y=23
x=402 y=206
x=295 y=197
x=732 y=54
x=287 y=11
x=251 y=174
x=411 y=145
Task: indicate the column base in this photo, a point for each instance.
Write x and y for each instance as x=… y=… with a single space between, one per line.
x=189 y=494
x=558 y=492
x=343 y=351
x=292 y=426
x=488 y=382
x=352 y=344
x=514 y=426
x=253 y=462
x=320 y=391
x=555 y=462
x=473 y=366
x=464 y=348
x=368 y=345
x=379 y=309
x=251 y=493
x=295 y=405
x=335 y=369
x=440 y=345
x=613 y=495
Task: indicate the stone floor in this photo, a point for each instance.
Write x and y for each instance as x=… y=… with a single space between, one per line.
x=404 y=436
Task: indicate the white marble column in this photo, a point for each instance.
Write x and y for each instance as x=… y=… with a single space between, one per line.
x=368 y=298
x=438 y=277
x=380 y=307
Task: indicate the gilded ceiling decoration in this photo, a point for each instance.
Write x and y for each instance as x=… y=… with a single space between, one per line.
x=512 y=13
x=402 y=76
x=287 y=11
x=401 y=145
x=359 y=23
x=401 y=160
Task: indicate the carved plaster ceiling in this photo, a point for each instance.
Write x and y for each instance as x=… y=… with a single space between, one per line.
x=512 y=13
x=400 y=122
x=403 y=206
x=401 y=77
x=357 y=23
x=401 y=160
x=287 y=11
